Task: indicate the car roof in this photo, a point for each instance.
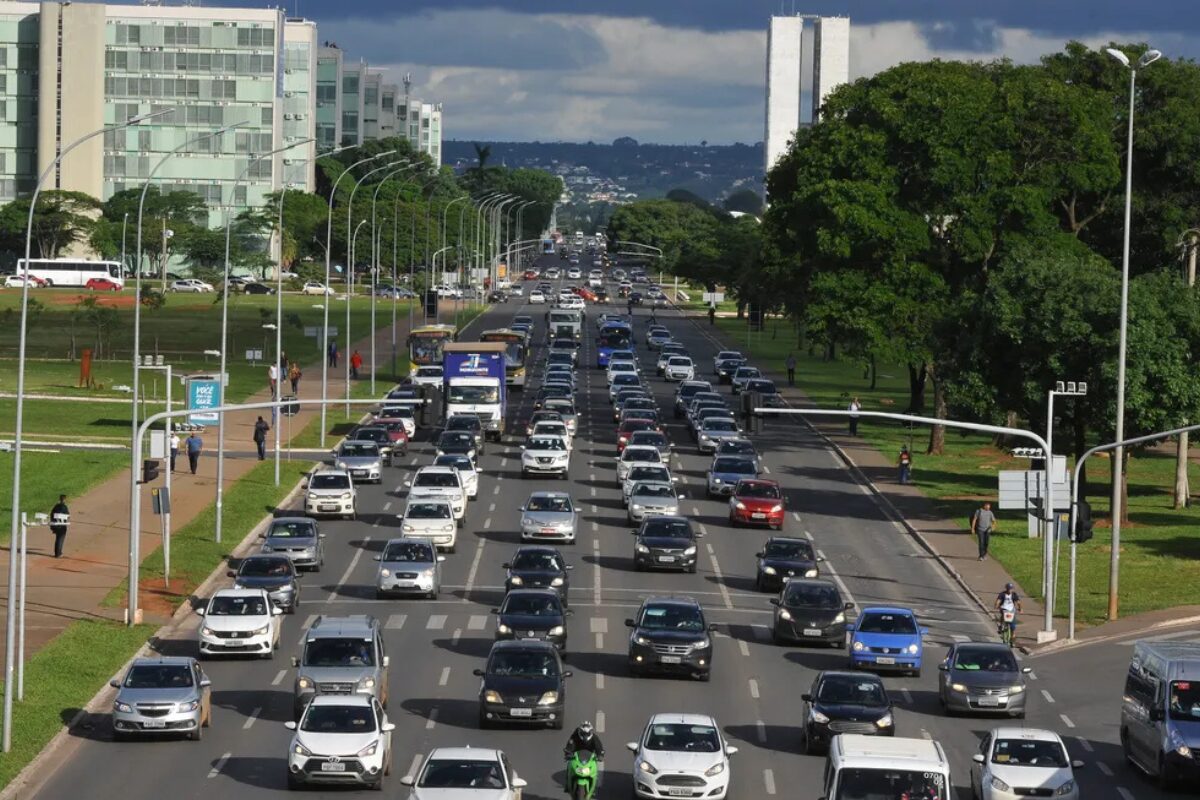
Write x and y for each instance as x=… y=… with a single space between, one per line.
x=790 y=539
x=550 y=494
x=898 y=610
x=1031 y=734
x=537 y=548
x=753 y=481
x=523 y=644
x=995 y=647
x=169 y=661
x=360 y=625
x=677 y=718
x=464 y=753
x=433 y=468
x=332 y=471
x=844 y=673
x=293 y=520
x=341 y=700
x=532 y=593
x=671 y=600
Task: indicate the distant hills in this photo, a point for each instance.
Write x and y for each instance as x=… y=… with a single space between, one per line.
x=625 y=170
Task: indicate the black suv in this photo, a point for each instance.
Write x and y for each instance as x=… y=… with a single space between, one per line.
x=469 y=423
x=532 y=614
x=665 y=543
x=670 y=634
x=845 y=702
x=523 y=682
x=538 y=567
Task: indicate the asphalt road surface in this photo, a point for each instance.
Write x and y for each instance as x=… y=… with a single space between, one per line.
x=755 y=690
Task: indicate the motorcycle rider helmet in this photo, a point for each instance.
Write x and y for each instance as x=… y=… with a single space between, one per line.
x=585 y=731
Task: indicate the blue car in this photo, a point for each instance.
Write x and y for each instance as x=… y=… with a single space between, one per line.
x=613 y=336
x=886 y=638
x=726 y=471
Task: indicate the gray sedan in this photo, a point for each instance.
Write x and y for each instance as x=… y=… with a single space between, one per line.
x=162 y=696
x=362 y=460
x=549 y=516
x=298 y=538
x=653 y=500
x=409 y=566
x=983 y=678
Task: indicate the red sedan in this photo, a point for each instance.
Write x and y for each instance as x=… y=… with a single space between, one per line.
x=757 y=502
x=397 y=432
x=102 y=285
x=586 y=293
x=531 y=274
x=631 y=426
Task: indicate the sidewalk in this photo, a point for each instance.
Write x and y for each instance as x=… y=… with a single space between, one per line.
x=96 y=552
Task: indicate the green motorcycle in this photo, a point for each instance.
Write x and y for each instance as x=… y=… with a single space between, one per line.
x=583 y=773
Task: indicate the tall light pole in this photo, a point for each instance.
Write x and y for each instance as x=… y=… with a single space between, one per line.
x=124 y=226
x=18 y=440
x=328 y=262
x=478 y=259
x=412 y=249
x=1149 y=57
x=487 y=229
x=445 y=215
x=375 y=268
x=502 y=213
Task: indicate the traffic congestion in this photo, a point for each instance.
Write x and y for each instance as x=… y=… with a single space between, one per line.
x=590 y=543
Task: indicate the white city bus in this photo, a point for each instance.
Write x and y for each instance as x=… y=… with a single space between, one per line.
x=72 y=271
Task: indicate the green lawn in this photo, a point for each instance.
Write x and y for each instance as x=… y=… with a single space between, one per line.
x=1159 y=550
x=44 y=476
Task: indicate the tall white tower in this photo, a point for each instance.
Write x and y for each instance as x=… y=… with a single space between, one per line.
x=831 y=58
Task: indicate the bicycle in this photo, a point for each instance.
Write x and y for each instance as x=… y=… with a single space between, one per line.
x=1007 y=627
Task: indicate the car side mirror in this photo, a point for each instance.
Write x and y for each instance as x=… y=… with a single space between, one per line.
x=700 y=534
x=759 y=554
x=1076 y=764
x=276 y=611
x=378 y=558
x=850 y=626
x=506 y=565
x=408 y=484
x=407 y=780
x=205 y=683
x=522 y=447
x=634 y=532
x=977 y=758
x=1157 y=714
x=568 y=567
x=230 y=574
x=712 y=627
x=631 y=746
x=774 y=601
x=1026 y=670
x=295 y=661
x=290 y=725
x=478 y=673
x=495 y=611
x=114 y=683
x=262 y=536
x=321 y=535
x=388 y=727
x=682 y=497
x=820 y=558
x=849 y=606
x=944 y=667
x=806 y=697
x=441 y=559
x=731 y=751
x=568 y=612
x=519 y=783
x=628 y=623
x=200 y=611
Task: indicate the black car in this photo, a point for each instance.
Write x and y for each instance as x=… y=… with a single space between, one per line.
x=727 y=366
x=548 y=392
x=258 y=288
x=274 y=574
x=670 y=634
x=665 y=543
x=635 y=298
x=601 y=295
x=639 y=402
x=379 y=435
x=469 y=423
x=686 y=391
x=810 y=610
x=497 y=296
x=845 y=702
x=523 y=682
x=564 y=357
x=770 y=396
x=532 y=614
x=538 y=567
x=782 y=559
x=459 y=443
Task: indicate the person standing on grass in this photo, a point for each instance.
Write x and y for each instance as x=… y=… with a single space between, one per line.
x=294 y=375
x=333 y=354
x=273 y=378
x=855 y=407
x=174 y=449
x=60 y=518
x=983 y=523
x=905 y=465
x=195 y=446
x=260 y=437
x=791 y=368
x=355 y=364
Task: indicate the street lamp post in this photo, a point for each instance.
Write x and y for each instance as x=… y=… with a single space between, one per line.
x=375 y=270
x=1050 y=544
x=1149 y=57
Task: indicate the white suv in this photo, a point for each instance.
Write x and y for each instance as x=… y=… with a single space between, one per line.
x=330 y=492
x=341 y=739
x=440 y=483
x=681 y=750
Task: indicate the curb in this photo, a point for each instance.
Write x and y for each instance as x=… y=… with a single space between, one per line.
x=1069 y=644
x=37 y=770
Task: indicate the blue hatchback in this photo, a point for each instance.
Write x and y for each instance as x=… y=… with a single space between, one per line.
x=886 y=638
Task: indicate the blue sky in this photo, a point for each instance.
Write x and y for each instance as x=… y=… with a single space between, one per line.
x=684 y=70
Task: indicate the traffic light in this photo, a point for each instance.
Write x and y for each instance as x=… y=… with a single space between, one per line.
x=149 y=470
x=1083 y=522
x=431 y=303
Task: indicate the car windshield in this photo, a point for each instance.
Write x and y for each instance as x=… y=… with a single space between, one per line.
x=462 y=774
x=427 y=511
x=460 y=422
x=679 y=361
x=736 y=447
x=641 y=454
x=456 y=439
x=744 y=373
x=719 y=425
x=523 y=664
x=865 y=783
x=265 y=567
x=459 y=462
x=329 y=481
x=970 y=659
x=763 y=387
x=652 y=438
x=561 y=407
x=681 y=737
x=338 y=719
x=788 y=549
x=371 y=435
x=411 y=552
x=158 y=676
x=292 y=530
x=536 y=560
x=649 y=474
x=429 y=372
x=334 y=652
x=534 y=605
x=1029 y=753
x=667 y=528
x=849 y=689
x=548 y=503
x=672 y=617
x=614 y=340
x=546 y=443
x=622 y=366
x=437 y=480
x=653 y=490
x=887 y=623
x=554 y=428
x=638 y=404
x=766 y=491
x=1185 y=700
x=225 y=606
x=472 y=394
x=626 y=379
x=741 y=466
x=356 y=450
x=807 y=595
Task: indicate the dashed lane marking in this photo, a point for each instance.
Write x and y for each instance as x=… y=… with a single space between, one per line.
x=1049 y=697
x=432 y=721
x=1105 y=768
x=599 y=680
x=745 y=648
x=1085 y=744
x=761 y=728
x=387 y=505
x=496 y=490
x=249 y=723
x=796 y=516
x=477 y=622
x=487 y=523
x=279 y=676
x=395 y=621
x=753 y=688
x=436 y=622
x=470 y=584
x=414 y=766
x=1125 y=793
x=304 y=628
x=769 y=781
x=599 y=722
x=836 y=578
x=907 y=696
x=349 y=570
x=217 y=767
x=808 y=536
x=1066 y=720
x=445 y=676
x=491 y=508
x=454 y=637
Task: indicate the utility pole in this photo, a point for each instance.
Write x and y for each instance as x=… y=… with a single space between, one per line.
x=1183 y=493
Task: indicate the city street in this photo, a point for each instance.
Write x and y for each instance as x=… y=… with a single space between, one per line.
x=756 y=685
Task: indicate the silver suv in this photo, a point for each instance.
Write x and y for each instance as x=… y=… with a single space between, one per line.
x=342 y=655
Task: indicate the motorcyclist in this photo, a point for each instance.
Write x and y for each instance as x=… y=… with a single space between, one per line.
x=584 y=738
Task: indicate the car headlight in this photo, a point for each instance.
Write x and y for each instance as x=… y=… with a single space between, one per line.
x=304 y=683
x=999 y=785
x=502 y=628
x=427 y=573
x=768 y=570
x=124 y=708
x=642 y=640
x=492 y=696
x=1066 y=788
x=784 y=614
x=347 y=496
x=206 y=631
x=516 y=580
x=775 y=509
x=739 y=505
x=367 y=683
x=641 y=548
x=369 y=750
x=817 y=717
x=690 y=551
x=407 y=528
x=263 y=631
x=190 y=705
x=958 y=687
x=839 y=619
x=266 y=548
x=810 y=573
x=913 y=648
x=557 y=630
x=647 y=767
x=715 y=479
x=548 y=699
x=300 y=750
x=703 y=644
x=385 y=573
x=857 y=647
x=556 y=582
x=715 y=769
x=1184 y=751
x=1016 y=689
x=636 y=507
x=884 y=722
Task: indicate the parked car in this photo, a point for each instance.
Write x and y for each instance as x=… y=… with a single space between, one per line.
x=411 y=565
x=343 y=740
x=258 y=288
x=522 y=682
x=239 y=621
x=168 y=695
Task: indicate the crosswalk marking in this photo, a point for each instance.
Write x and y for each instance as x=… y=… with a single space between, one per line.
x=477 y=622
x=396 y=621
x=436 y=622
x=599 y=625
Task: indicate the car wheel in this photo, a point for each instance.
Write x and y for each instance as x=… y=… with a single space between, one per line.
x=377 y=786
x=380 y=594
x=119 y=736
x=1166 y=776
x=196 y=734
x=810 y=749
x=293 y=783
x=484 y=722
x=637 y=566
x=733 y=523
x=705 y=677
x=692 y=569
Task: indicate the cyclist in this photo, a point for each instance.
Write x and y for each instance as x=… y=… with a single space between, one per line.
x=1008 y=602
x=584 y=738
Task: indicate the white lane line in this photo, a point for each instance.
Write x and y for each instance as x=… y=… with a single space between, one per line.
x=279 y=676
x=600 y=641
x=695 y=511
x=375 y=524
x=436 y=622
x=1105 y=768
x=828 y=567
x=1066 y=720
x=925 y=734
x=487 y=523
x=808 y=536
x=769 y=781
x=349 y=570
x=1125 y=793
x=599 y=625
x=594 y=509
x=599 y=680
x=504 y=461
x=415 y=460
x=414 y=766
x=491 y=508
x=716 y=565
x=217 y=767
x=599 y=722
x=470 y=584
x=454 y=637
x=766 y=469
x=396 y=621
x=1049 y=697
x=445 y=677
x=753 y=688
x=907 y=696
x=387 y=505
x=761 y=727
x=596 y=576
x=595 y=526
x=761 y=632
x=745 y=648
x=1085 y=744
x=304 y=628
x=432 y=721
x=249 y=723
x=796 y=516
x=1033 y=676
x=477 y=622
x=496 y=490
x=593 y=491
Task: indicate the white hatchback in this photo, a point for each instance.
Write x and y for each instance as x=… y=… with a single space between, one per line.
x=537 y=297
x=678 y=750
x=1023 y=762
x=238 y=621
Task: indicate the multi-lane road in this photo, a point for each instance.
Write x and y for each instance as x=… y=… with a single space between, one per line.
x=755 y=690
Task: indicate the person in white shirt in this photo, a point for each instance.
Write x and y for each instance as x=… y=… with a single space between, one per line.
x=855 y=406
x=174 y=449
x=273 y=378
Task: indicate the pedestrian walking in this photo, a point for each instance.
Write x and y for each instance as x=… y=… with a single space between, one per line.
x=712 y=313
x=983 y=523
x=174 y=449
x=273 y=378
x=855 y=407
x=60 y=518
x=791 y=368
x=333 y=354
x=195 y=446
x=260 y=437
x=294 y=375
x=283 y=362
x=905 y=464
x=355 y=364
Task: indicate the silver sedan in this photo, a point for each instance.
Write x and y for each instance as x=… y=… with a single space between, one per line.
x=549 y=516
x=653 y=500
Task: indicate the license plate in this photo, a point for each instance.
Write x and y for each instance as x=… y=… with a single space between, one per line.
x=988 y=701
x=522 y=712
x=666 y=559
x=679 y=792
x=547 y=530
x=329 y=508
x=812 y=631
x=671 y=659
x=360 y=473
x=154 y=723
x=758 y=515
x=330 y=766
x=885 y=660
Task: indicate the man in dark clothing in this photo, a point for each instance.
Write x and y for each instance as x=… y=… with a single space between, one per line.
x=260 y=437
x=60 y=518
x=584 y=738
x=712 y=314
x=982 y=525
x=333 y=354
x=791 y=369
x=195 y=446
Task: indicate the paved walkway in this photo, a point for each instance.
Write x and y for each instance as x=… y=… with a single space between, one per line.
x=96 y=555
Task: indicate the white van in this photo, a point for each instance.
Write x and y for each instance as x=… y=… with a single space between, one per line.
x=879 y=766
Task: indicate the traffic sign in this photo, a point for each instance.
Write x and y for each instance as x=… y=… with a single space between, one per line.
x=1019 y=487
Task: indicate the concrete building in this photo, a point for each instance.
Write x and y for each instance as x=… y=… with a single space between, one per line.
x=353 y=76
x=299 y=102
x=329 y=97
x=831 y=59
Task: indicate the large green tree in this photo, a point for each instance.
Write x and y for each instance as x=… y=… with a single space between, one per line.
x=61 y=219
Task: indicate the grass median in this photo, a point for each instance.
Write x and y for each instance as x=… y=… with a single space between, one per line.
x=46 y=475
x=1159 y=549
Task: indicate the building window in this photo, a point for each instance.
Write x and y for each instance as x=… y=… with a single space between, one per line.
x=255 y=37
x=350 y=84
x=371 y=95
x=326 y=94
x=268 y=116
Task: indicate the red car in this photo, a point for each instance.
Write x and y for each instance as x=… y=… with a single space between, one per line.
x=102 y=285
x=757 y=502
x=587 y=294
x=631 y=426
x=531 y=274
x=397 y=432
